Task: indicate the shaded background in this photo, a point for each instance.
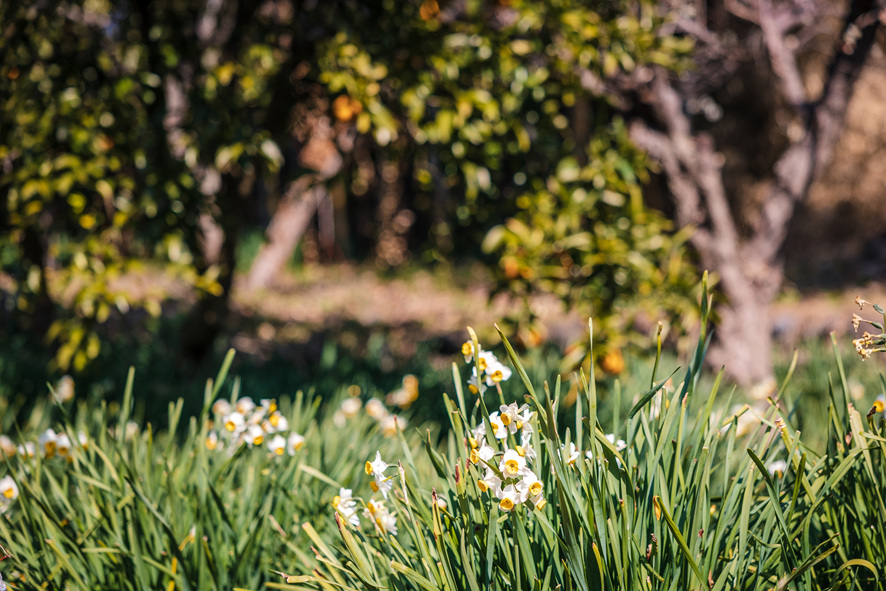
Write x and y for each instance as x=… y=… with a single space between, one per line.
x=337 y=188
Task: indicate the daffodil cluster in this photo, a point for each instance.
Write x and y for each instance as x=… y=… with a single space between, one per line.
x=375 y=510
x=492 y=371
x=49 y=445
x=508 y=474
x=375 y=408
x=253 y=425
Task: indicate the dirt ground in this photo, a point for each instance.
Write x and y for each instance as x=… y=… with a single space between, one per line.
x=425 y=305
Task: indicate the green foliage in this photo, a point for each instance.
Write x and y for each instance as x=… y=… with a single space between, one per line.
x=131 y=507
x=128 y=128
x=509 y=105
x=686 y=502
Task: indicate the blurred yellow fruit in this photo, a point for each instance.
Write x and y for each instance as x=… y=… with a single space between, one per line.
x=613 y=362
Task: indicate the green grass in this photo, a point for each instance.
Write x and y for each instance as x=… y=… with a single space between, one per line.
x=687 y=503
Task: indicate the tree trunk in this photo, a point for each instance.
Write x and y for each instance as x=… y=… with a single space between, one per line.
x=748 y=261
x=205 y=321
x=287 y=227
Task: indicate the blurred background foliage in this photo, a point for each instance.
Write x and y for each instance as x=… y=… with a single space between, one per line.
x=162 y=135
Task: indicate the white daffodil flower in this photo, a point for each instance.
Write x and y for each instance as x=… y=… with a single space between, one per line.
x=28 y=449
x=221 y=408
x=7 y=446
x=277 y=445
x=508 y=498
x=619 y=445
x=524 y=418
x=234 y=422
x=512 y=464
x=498 y=426
x=467 y=349
x=527 y=451
x=254 y=435
x=8 y=489
x=244 y=405
x=486 y=359
x=257 y=415
x=473 y=382
x=346 y=506
x=572 y=454
x=389 y=425
x=375 y=408
x=777 y=467
x=376 y=469
x=47 y=441
x=532 y=484
x=63 y=444
x=496 y=372
x=490 y=482
x=294 y=443
x=510 y=416
x=351 y=406
x=384 y=519
x=276 y=423
x=486 y=452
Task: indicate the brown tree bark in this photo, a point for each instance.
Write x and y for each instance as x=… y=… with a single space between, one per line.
x=748 y=260
x=286 y=229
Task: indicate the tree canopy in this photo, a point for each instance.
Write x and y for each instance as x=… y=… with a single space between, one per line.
x=162 y=131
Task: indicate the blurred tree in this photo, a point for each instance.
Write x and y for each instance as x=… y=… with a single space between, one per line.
x=160 y=129
x=499 y=102
x=124 y=127
x=758 y=104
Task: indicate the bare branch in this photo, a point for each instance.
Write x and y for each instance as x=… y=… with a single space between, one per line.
x=783 y=59
x=805 y=160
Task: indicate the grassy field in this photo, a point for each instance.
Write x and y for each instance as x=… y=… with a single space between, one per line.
x=265 y=475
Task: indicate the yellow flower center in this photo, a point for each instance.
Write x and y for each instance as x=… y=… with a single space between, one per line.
x=279 y=451
x=368 y=468
x=482 y=364
x=63 y=451
x=336 y=501
x=512 y=466
x=230 y=426
x=373 y=486
x=481 y=484
x=519 y=424
x=506 y=504
x=467 y=348
x=519 y=449
x=474 y=457
x=497 y=376
x=8 y=493
x=535 y=488
x=211 y=443
x=541 y=504
x=258 y=440
x=472 y=388
x=505 y=419
x=473 y=442
x=878 y=405
x=272 y=407
x=274 y=419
